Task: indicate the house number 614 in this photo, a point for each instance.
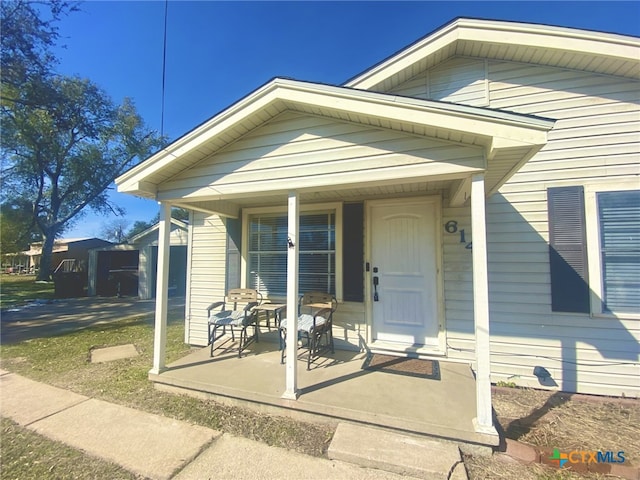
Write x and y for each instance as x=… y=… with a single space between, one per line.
x=452 y=227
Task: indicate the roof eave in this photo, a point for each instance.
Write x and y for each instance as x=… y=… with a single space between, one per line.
x=501 y=32
x=497 y=128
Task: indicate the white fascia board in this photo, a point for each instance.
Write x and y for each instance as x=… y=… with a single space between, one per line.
x=406 y=57
x=557 y=38
x=212 y=207
x=503 y=33
x=483 y=123
x=226 y=119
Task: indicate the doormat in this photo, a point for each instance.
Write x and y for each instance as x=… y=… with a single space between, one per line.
x=412 y=367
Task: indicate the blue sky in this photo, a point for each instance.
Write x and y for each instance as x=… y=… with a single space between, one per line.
x=217 y=52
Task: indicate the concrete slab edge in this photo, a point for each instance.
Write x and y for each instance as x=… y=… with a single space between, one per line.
x=444 y=464
x=317 y=411
x=192 y=458
x=27 y=413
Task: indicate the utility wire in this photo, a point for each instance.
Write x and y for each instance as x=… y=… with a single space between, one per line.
x=164 y=66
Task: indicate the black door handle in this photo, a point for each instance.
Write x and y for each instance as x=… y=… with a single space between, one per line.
x=375 y=289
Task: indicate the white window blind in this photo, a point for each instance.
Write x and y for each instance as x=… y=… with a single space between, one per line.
x=268 y=253
x=619 y=220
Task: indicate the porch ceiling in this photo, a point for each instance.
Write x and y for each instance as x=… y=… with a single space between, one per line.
x=495 y=133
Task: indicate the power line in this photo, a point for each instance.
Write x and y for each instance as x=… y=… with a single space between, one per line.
x=164 y=66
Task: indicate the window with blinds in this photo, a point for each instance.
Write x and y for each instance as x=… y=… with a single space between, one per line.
x=267 y=253
x=619 y=222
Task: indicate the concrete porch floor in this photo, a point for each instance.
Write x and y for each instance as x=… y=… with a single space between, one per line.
x=335 y=389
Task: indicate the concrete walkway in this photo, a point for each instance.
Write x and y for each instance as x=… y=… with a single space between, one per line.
x=158 y=447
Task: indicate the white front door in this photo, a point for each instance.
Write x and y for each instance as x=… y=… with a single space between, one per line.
x=404 y=273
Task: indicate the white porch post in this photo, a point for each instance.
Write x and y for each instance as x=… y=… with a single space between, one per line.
x=484 y=420
x=291 y=390
x=162 y=289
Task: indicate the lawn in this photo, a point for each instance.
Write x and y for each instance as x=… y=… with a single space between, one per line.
x=63 y=361
x=20 y=289
x=25 y=455
x=532 y=416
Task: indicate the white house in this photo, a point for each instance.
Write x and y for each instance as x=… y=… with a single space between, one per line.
x=486 y=175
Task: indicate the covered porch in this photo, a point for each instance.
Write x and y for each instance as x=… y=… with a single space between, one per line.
x=291 y=147
x=336 y=388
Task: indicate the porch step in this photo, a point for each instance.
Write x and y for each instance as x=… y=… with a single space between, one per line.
x=402 y=454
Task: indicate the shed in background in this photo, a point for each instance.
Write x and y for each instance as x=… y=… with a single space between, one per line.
x=130 y=269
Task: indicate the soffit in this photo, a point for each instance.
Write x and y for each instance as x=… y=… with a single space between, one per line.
x=597 y=52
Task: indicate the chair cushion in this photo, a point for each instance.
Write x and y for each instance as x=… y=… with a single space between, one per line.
x=305 y=322
x=227 y=317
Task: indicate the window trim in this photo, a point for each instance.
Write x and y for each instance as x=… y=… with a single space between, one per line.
x=335 y=206
x=594 y=259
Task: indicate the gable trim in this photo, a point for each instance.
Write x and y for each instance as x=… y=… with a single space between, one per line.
x=489 y=128
x=444 y=41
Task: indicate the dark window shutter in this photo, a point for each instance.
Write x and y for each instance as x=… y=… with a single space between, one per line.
x=353 y=252
x=234 y=242
x=568 y=250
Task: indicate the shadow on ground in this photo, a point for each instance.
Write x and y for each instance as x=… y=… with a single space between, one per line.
x=56 y=317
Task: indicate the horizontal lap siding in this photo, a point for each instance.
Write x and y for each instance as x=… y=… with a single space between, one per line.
x=458 y=286
x=294 y=146
x=460 y=80
x=596 y=138
x=207 y=272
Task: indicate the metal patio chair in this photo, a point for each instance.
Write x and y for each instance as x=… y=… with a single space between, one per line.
x=315 y=325
x=237 y=313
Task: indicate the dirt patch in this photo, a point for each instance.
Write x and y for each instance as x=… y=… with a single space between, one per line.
x=570 y=422
x=502 y=467
x=548 y=420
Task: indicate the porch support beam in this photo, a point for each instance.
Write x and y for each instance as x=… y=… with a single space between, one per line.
x=223 y=208
x=459 y=192
x=291 y=390
x=483 y=422
x=162 y=289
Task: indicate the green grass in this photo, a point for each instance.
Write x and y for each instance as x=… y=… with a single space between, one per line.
x=63 y=361
x=25 y=455
x=20 y=289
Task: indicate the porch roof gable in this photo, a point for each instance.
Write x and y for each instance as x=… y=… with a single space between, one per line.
x=491 y=129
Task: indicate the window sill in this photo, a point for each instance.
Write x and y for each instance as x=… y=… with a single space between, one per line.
x=616 y=316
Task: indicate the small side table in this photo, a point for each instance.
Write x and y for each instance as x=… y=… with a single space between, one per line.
x=276 y=309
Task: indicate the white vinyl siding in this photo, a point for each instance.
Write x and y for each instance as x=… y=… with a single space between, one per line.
x=596 y=140
x=459 y=80
x=315 y=151
x=207 y=272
